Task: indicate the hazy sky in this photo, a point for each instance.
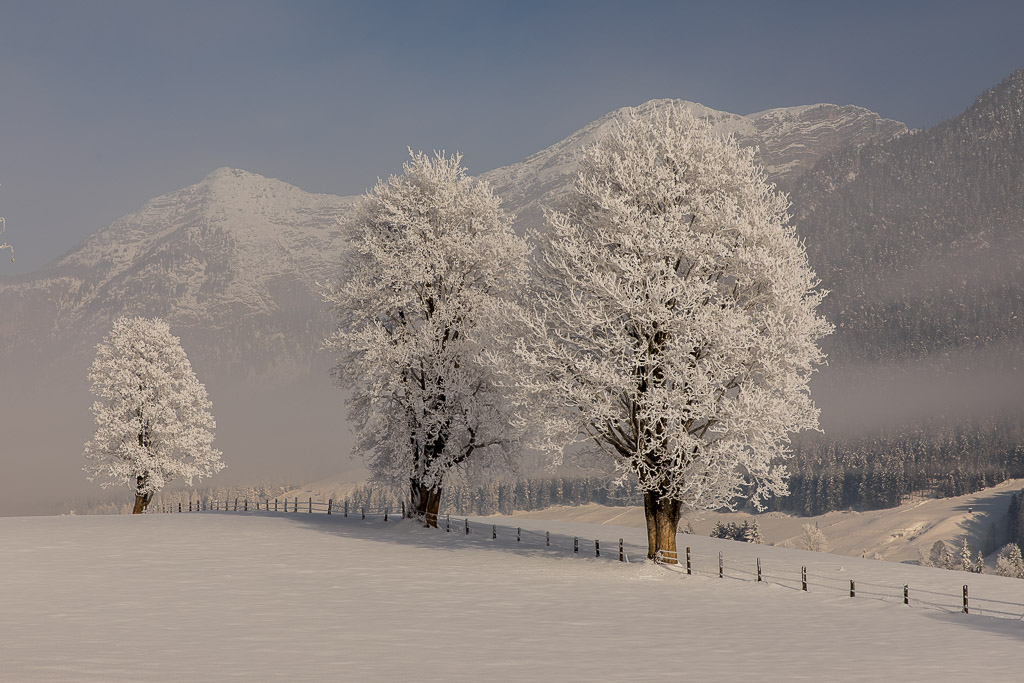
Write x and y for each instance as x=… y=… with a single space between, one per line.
x=104 y=105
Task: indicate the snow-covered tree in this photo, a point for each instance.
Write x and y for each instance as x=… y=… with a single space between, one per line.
x=965 y=559
x=5 y=245
x=751 y=532
x=939 y=556
x=1009 y=563
x=153 y=421
x=432 y=259
x=814 y=539
x=673 y=323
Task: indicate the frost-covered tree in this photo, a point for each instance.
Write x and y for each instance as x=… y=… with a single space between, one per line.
x=814 y=539
x=5 y=245
x=940 y=556
x=432 y=258
x=965 y=560
x=153 y=421
x=1009 y=563
x=673 y=323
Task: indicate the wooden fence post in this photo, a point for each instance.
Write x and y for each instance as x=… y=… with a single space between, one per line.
x=597 y=548
x=547 y=538
x=275 y=505
x=622 y=555
x=519 y=534
x=310 y=506
x=688 y=570
x=759 y=569
x=853 y=589
x=179 y=507
x=346 y=507
x=330 y=504
x=245 y=508
x=494 y=531
x=467 y=526
x=575 y=544
x=966 y=610
x=385 y=514
x=721 y=565
x=236 y=505
x=803 y=578
x=906 y=594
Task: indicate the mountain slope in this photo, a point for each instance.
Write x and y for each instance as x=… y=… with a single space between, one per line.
x=789 y=141
x=231 y=262
x=921 y=239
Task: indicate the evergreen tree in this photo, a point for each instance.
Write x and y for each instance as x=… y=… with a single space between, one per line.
x=1009 y=563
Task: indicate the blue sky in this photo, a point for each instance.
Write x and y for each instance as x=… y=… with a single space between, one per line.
x=105 y=104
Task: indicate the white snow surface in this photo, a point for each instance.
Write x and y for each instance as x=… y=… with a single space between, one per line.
x=310 y=597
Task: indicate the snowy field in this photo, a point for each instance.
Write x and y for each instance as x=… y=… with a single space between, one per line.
x=294 y=596
x=896 y=534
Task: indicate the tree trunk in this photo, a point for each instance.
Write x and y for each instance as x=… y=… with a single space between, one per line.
x=425 y=503
x=662 y=515
x=141 y=502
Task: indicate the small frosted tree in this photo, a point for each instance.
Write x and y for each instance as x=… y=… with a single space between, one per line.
x=5 y=245
x=153 y=421
x=966 y=561
x=673 y=324
x=940 y=556
x=432 y=258
x=1009 y=563
x=814 y=539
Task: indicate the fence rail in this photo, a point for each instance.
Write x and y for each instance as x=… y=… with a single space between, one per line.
x=688 y=562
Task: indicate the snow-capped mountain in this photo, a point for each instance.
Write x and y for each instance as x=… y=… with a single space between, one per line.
x=231 y=262
x=788 y=141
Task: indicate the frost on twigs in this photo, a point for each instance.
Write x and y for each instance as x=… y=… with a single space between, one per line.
x=432 y=259
x=153 y=421
x=673 y=324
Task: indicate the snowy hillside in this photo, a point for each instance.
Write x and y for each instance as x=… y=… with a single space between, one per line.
x=896 y=534
x=789 y=141
x=231 y=263
x=274 y=597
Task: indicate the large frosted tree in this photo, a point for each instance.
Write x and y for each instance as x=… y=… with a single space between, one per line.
x=432 y=258
x=153 y=420
x=673 y=321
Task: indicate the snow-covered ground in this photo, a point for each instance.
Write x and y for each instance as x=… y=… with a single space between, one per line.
x=272 y=596
x=897 y=534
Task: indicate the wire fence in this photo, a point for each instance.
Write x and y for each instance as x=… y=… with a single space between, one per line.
x=458 y=525
x=687 y=562
x=722 y=567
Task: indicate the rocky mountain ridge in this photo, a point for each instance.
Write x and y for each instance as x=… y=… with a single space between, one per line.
x=789 y=141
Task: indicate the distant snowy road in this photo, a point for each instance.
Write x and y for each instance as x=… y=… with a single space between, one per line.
x=307 y=597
